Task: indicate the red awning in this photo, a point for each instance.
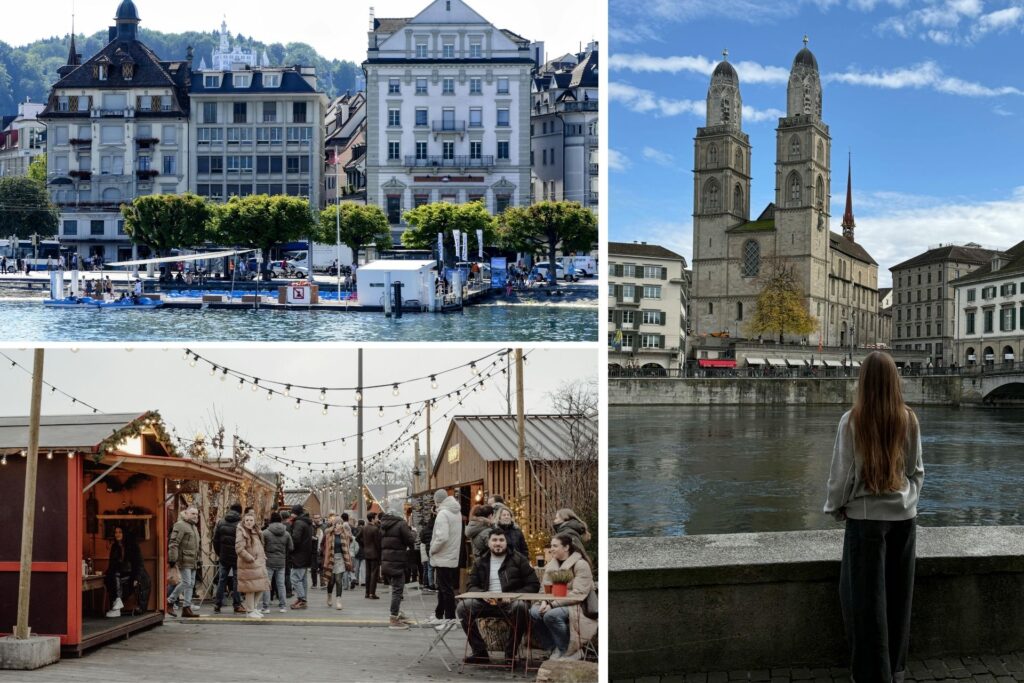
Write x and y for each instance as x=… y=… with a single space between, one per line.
x=717 y=362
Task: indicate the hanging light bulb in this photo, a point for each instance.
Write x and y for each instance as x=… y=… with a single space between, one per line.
x=24 y=453
x=380 y=411
x=184 y=356
x=472 y=368
x=355 y=411
x=298 y=403
x=483 y=386
x=256 y=384
x=408 y=410
x=71 y=455
x=241 y=383
x=49 y=455
x=324 y=411
x=224 y=375
x=323 y=394
x=213 y=370
x=192 y=361
x=433 y=382
x=270 y=394
x=394 y=390
x=287 y=389
x=359 y=397
x=3 y=459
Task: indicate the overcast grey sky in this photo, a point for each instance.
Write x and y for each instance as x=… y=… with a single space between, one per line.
x=336 y=29
x=115 y=380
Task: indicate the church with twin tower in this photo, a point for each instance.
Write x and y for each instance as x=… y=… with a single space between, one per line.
x=732 y=254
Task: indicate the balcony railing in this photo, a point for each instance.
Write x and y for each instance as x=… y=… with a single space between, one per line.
x=80 y=141
x=146 y=142
x=81 y=175
x=147 y=173
x=586 y=105
x=453 y=162
x=449 y=126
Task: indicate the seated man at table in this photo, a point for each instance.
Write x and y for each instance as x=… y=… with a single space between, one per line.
x=502 y=570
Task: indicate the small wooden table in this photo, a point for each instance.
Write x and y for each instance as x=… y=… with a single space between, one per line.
x=90 y=584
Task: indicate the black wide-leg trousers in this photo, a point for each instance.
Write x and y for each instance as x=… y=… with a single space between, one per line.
x=876 y=588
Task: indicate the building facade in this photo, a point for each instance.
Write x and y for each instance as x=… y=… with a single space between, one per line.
x=732 y=254
x=257 y=129
x=647 y=303
x=924 y=309
x=117 y=129
x=564 y=130
x=448 y=112
x=990 y=311
x=345 y=150
x=22 y=139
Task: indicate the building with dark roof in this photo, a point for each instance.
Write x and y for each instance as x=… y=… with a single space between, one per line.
x=648 y=289
x=989 y=305
x=22 y=139
x=448 y=112
x=117 y=129
x=923 y=299
x=345 y=150
x=563 y=129
x=837 y=277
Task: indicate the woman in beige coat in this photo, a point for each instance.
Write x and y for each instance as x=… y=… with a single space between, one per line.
x=562 y=626
x=252 y=564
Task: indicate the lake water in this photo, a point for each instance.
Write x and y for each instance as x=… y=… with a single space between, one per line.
x=727 y=469
x=31 y=321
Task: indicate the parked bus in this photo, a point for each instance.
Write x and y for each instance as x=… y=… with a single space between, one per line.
x=35 y=255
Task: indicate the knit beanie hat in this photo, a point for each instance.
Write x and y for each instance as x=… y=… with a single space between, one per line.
x=439 y=496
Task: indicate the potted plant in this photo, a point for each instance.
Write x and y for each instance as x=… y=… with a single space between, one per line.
x=560 y=579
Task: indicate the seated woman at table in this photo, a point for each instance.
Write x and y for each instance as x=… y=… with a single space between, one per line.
x=125 y=567
x=560 y=626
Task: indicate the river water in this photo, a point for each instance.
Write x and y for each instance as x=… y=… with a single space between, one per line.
x=31 y=321
x=690 y=470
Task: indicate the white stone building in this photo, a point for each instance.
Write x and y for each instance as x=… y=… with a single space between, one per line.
x=22 y=139
x=990 y=311
x=117 y=129
x=647 y=290
x=448 y=112
x=345 y=150
x=564 y=130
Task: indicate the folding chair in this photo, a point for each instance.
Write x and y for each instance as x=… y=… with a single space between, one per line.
x=439 y=636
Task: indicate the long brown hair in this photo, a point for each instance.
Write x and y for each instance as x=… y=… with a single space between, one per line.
x=881 y=422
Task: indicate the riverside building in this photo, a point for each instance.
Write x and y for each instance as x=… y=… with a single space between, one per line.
x=117 y=129
x=22 y=139
x=923 y=308
x=646 y=307
x=447 y=112
x=731 y=252
x=990 y=311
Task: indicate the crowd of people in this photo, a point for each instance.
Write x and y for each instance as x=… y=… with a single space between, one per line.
x=265 y=562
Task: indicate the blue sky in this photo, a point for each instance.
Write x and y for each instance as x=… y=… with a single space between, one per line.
x=927 y=96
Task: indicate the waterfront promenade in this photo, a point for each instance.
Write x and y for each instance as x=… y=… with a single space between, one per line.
x=314 y=644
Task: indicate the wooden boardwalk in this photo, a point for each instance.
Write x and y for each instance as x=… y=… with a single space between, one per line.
x=315 y=644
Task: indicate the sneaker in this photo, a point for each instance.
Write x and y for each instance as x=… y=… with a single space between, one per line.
x=216 y=609
x=338 y=605
x=445 y=623
x=254 y=615
x=406 y=620
x=556 y=654
x=114 y=613
x=396 y=624
x=330 y=601
x=575 y=656
x=434 y=621
x=118 y=605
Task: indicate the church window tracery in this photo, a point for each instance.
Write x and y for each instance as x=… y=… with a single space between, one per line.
x=821 y=152
x=751 y=259
x=793 y=183
x=737 y=199
x=713 y=156
x=711 y=196
x=819 y=193
x=794 y=147
x=739 y=161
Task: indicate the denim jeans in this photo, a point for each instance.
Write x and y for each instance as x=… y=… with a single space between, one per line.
x=236 y=598
x=276 y=577
x=184 y=588
x=552 y=627
x=299 y=576
x=357 y=565
x=397 y=588
x=428 y=575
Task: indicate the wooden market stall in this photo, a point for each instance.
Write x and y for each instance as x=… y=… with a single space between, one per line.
x=479 y=456
x=95 y=472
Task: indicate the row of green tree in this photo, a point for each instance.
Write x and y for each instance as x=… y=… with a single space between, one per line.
x=165 y=222
x=29 y=71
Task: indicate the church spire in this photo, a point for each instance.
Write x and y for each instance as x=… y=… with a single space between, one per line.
x=73 y=59
x=848 y=222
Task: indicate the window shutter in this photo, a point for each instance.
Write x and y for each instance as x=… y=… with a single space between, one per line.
x=618 y=318
x=638 y=291
x=663 y=316
x=618 y=270
x=661 y=341
x=618 y=293
x=664 y=273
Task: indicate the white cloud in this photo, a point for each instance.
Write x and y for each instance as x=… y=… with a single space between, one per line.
x=617 y=161
x=674 y=235
x=646 y=102
x=1000 y=20
x=749 y=72
x=658 y=157
x=924 y=75
x=952 y=21
x=1001 y=111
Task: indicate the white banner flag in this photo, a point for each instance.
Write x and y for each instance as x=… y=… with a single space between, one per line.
x=440 y=246
x=458 y=244
x=480 y=242
x=465 y=246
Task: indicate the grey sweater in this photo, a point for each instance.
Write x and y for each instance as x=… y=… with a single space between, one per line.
x=847 y=494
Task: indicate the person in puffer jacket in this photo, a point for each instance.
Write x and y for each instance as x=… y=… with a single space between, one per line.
x=445 y=544
x=396 y=539
x=278 y=544
x=480 y=522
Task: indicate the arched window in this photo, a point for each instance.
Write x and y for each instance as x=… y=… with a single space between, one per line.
x=737 y=199
x=794 y=147
x=989 y=356
x=712 y=156
x=1007 y=354
x=111 y=194
x=819 y=193
x=711 y=196
x=739 y=161
x=751 y=258
x=739 y=310
x=821 y=151
x=793 y=186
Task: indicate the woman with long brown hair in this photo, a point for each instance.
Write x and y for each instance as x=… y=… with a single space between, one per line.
x=874 y=486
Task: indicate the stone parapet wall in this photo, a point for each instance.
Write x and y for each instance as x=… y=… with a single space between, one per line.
x=764 y=600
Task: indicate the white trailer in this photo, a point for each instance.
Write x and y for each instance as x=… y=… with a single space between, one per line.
x=417 y=278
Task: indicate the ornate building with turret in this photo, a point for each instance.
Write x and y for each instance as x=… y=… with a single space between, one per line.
x=732 y=253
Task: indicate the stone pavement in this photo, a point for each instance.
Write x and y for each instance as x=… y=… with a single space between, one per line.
x=315 y=644
x=982 y=669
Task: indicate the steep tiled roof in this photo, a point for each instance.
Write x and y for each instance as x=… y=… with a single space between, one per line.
x=389 y=26
x=968 y=253
x=149 y=72
x=585 y=73
x=850 y=248
x=1013 y=265
x=642 y=250
x=291 y=82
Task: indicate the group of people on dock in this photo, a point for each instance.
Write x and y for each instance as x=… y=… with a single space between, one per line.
x=265 y=562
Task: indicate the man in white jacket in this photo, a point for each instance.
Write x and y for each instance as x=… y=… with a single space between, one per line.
x=445 y=545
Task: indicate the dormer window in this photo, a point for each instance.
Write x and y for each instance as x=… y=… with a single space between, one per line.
x=127 y=71
x=272 y=80
x=211 y=81
x=63 y=103
x=101 y=72
x=241 y=81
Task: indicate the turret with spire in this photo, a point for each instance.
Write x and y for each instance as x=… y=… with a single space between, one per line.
x=848 y=222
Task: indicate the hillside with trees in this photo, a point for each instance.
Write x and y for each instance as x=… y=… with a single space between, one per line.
x=30 y=70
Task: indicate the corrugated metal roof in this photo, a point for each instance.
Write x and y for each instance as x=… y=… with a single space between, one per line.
x=82 y=432
x=298 y=497
x=496 y=437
